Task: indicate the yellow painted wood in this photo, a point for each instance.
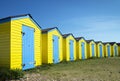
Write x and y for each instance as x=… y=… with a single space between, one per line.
x=16 y=42
x=98 y=50
x=118 y=50
x=47 y=40
x=79 y=49
x=106 y=50
x=45 y=48
x=66 y=48
x=89 y=49
x=112 y=49
x=5 y=44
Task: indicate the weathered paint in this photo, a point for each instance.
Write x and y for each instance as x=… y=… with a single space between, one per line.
x=66 y=48
x=47 y=46
x=99 y=49
x=91 y=49
x=13 y=42
x=107 y=50
x=81 y=50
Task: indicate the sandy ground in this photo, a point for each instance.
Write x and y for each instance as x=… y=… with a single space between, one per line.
x=106 y=69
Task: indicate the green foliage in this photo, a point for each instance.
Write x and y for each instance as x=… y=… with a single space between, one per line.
x=16 y=74
x=4 y=74
x=7 y=74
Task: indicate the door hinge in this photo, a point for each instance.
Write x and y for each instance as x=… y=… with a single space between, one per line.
x=23 y=65
x=23 y=33
x=53 y=40
x=53 y=60
x=34 y=62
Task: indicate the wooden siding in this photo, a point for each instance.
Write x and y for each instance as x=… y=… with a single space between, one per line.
x=79 y=49
x=5 y=44
x=114 y=50
x=50 y=45
x=118 y=50
x=106 y=51
x=47 y=43
x=16 y=42
x=44 y=48
x=66 y=46
x=98 y=50
x=89 y=49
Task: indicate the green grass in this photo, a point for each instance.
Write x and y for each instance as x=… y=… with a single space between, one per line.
x=7 y=74
x=96 y=69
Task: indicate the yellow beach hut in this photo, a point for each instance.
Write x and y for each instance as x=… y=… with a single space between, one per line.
x=81 y=48
x=107 y=49
x=69 y=47
x=99 y=49
x=114 y=48
x=51 y=45
x=118 y=49
x=20 y=42
x=91 y=48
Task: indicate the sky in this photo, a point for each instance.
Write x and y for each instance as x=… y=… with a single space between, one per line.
x=91 y=19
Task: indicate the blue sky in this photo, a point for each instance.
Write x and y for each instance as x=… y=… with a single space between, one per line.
x=92 y=19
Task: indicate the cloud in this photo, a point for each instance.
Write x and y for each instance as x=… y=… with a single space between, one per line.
x=104 y=28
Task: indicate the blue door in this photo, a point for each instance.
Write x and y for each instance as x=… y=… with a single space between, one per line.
x=115 y=49
x=100 y=50
x=27 y=47
x=83 y=50
x=92 y=50
x=71 y=43
x=108 y=50
x=55 y=49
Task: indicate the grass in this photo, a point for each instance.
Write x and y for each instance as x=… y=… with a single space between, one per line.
x=96 y=69
x=7 y=74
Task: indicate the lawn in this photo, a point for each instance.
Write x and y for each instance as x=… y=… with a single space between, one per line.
x=96 y=69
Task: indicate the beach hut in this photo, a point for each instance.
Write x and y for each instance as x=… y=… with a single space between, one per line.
x=99 y=49
x=81 y=48
x=107 y=49
x=118 y=49
x=20 y=42
x=69 y=47
x=51 y=45
x=114 y=48
x=91 y=48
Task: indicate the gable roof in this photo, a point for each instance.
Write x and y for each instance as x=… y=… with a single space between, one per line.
x=106 y=43
x=66 y=35
x=112 y=43
x=88 y=41
x=15 y=16
x=49 y=29
x=9 y=18
x=98 y=42
x=79 y=38
x=118 y=44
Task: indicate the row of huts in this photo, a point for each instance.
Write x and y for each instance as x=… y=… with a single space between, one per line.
x=24 y=45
